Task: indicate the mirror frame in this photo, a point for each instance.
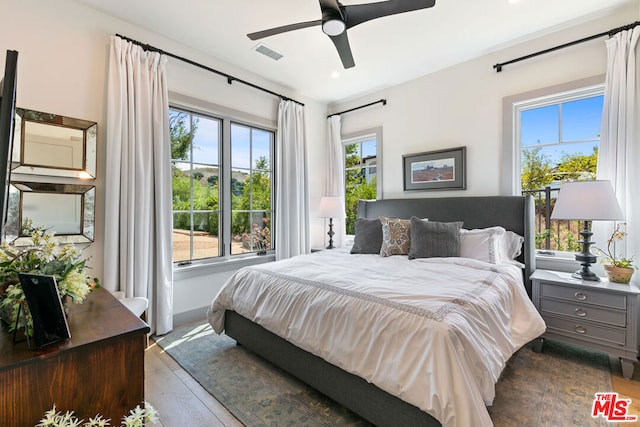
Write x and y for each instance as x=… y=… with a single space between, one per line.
x=89 y=145
x=15 y=218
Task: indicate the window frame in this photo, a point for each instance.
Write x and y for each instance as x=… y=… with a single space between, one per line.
x=227 y=116
x=510 y=181
x=359 y=137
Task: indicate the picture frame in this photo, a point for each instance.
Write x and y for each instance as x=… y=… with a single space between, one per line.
x=43 y=299
x=435 y=170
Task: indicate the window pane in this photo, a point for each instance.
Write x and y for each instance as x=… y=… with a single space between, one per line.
x=581 y=119
x=181 y=236
x=240 y=232
x=240 y=146
x=261 y=149
x=260 y=231
x=539 y=126
x=179 y=131
x=181 y=186
x=205 y=235
x=261 y=191
x=206 y=137
x=352 y=155
x=239 y=200
x=369 y=149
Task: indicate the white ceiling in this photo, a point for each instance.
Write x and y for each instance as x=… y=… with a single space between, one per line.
x=387 y=51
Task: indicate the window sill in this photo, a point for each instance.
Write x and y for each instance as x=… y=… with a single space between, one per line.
x=557 y=261
x=218 y=266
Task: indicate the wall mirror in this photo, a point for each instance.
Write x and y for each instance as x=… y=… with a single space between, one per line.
x=53 y=145
x=68 y=210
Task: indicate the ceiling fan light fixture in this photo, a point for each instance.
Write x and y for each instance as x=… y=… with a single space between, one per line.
x=334 y=27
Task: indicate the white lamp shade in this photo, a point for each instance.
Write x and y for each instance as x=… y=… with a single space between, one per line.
x=331 y=207
x=587 y=200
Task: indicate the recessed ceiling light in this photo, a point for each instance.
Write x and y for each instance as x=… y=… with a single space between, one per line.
x=335 y=74
x=513 y=1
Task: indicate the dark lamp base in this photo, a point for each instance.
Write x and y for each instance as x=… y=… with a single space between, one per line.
x=586 y=275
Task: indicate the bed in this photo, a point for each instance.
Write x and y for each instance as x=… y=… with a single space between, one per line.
x=343 y=324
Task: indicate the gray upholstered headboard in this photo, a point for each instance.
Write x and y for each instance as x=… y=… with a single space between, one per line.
x=515 y=213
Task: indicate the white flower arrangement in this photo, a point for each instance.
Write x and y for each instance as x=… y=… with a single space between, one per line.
x=42 y=256
x=137 y=417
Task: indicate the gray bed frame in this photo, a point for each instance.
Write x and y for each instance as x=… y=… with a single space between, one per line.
x=371 y=403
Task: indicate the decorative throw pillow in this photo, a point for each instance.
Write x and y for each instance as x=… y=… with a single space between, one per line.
x=484 y=244
x=368 y=238
x=434 y=239
x=396 y=237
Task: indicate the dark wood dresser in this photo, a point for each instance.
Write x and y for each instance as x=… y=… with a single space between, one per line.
x=99 y=370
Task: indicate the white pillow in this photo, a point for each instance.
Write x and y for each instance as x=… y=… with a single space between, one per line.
x=484 y=244
x=511 y=245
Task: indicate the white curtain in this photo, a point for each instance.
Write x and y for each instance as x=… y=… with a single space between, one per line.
x=619 y=154
x=335 y=172
x=138 y=224
x=292 y=188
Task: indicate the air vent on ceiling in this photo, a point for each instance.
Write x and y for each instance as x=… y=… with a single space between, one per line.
x=267 y=51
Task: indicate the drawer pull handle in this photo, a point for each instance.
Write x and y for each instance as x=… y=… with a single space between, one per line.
x=581 y=329
x=580 y=296
x=580 y=312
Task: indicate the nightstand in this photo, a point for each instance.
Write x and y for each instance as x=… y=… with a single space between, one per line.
x=600 y=316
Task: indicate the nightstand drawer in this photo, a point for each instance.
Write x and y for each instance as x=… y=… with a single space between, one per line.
x=604 y=299
x=584 y=311
x=586 y=331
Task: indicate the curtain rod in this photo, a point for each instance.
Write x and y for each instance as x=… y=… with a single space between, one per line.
x=230 y=78
x=383 y=101
x=610 y=33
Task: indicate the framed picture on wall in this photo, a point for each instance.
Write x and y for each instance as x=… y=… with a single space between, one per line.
x=435 y=170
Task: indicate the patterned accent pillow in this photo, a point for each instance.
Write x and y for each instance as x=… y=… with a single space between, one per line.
x=396 y=236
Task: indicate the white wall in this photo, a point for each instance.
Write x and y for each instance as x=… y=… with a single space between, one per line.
x=462 y=105
x=62 y=68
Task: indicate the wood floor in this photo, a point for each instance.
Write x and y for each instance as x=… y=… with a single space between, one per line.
x=180 y=399
x=182 y=402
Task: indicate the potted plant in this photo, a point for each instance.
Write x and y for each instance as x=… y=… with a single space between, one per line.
x=42 y=256
x=619 y=269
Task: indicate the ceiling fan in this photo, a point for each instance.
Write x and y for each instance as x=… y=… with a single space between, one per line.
x=337 y=19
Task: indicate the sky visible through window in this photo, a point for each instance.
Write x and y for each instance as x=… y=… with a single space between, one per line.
x=574 y=124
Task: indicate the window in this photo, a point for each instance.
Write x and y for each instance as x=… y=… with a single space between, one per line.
x=251 y=188
x=559 y=138
x=202 y=192
x=362 y=173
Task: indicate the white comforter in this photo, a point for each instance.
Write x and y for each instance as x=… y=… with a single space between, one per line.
x=435 y=332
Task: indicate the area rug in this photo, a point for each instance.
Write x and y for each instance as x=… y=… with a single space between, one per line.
x=552 y=388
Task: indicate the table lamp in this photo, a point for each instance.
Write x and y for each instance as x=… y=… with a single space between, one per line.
x=331 y=207
x=587 y=201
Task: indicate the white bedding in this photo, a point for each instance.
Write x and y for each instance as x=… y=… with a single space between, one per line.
x=435 y=332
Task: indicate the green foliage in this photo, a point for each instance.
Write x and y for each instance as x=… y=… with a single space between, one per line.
x=536 y=169
x=180 y=134
x=577 y=166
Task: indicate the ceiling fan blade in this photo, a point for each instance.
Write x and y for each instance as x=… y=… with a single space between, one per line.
x=359 y=13
x=285 y=28
x=341 y=42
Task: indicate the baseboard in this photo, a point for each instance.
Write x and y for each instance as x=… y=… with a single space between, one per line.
x=190 y=316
